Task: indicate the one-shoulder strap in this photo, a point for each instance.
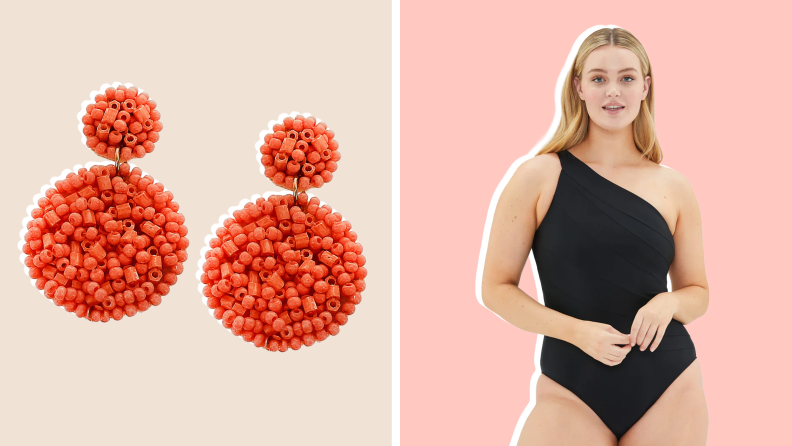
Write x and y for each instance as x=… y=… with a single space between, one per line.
x=563 y=156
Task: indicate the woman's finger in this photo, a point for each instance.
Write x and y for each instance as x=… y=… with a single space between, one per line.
x=619 y=352
x=659 y=337
x=649 y=335
x=634 y=329
x=639 y=339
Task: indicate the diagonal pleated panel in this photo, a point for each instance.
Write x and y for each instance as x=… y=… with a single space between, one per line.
x=628 y=222
x=577 y=233
x=609 y=242
x=617 y=196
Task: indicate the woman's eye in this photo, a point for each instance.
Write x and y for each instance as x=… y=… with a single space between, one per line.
x=625 y=77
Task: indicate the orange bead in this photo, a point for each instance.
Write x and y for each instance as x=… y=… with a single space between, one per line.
x=141 y=113
x=333 y=304
x=135 y=128
x=109 y=116
x=130 y=140
x=308 y=303
x=287 y=146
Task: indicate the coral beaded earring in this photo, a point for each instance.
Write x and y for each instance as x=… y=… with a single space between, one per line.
x=283 y=271
x=106 y=241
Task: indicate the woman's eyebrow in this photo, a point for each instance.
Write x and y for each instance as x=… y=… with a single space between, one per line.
x=600 y=69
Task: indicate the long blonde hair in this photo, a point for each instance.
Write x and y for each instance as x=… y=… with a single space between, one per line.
x=573 y=127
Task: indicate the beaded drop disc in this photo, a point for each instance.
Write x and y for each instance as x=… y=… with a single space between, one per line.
x=120 y=117
x=105 y=241
x=298 y=146
x=284 y=270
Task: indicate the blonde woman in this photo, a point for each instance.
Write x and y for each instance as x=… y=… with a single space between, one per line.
x=607 y=225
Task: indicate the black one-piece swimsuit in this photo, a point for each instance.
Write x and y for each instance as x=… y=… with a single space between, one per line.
x=601 y=254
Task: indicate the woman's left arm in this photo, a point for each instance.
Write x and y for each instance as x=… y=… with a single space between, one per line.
x=689 y=295
x=688 y=280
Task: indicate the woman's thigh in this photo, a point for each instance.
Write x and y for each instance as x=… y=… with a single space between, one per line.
x=560 y=418
x=679 y=417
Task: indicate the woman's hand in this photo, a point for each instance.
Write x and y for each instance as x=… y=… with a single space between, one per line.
x=600 y=341
x=653 y=318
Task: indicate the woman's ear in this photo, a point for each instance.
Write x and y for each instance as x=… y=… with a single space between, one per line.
x=578 y=90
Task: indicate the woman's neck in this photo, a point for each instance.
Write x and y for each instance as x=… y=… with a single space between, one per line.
x=608 y=148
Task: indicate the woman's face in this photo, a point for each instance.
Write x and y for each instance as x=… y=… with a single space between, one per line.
x=612 y=75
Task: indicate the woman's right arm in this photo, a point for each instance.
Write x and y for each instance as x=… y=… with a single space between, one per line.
x=510 y=241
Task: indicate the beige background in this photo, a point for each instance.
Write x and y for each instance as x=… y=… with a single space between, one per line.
x=173 y=375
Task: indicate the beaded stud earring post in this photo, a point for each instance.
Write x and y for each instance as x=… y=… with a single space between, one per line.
x=106 y=241
x=283 y=271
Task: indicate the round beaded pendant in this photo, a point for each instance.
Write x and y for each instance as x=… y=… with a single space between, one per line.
x=285 y=270
x=107 y=241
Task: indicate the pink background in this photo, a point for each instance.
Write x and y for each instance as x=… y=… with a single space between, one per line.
x=477 y=90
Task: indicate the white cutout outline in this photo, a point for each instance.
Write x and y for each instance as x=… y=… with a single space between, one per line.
x=395 y=225
x=491 y=212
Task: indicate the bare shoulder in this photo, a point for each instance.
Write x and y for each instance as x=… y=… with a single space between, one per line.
x=536 y=172
x=680 y=188
x=542 y=163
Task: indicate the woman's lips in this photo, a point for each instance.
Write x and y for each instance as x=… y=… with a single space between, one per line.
x=613 y=112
